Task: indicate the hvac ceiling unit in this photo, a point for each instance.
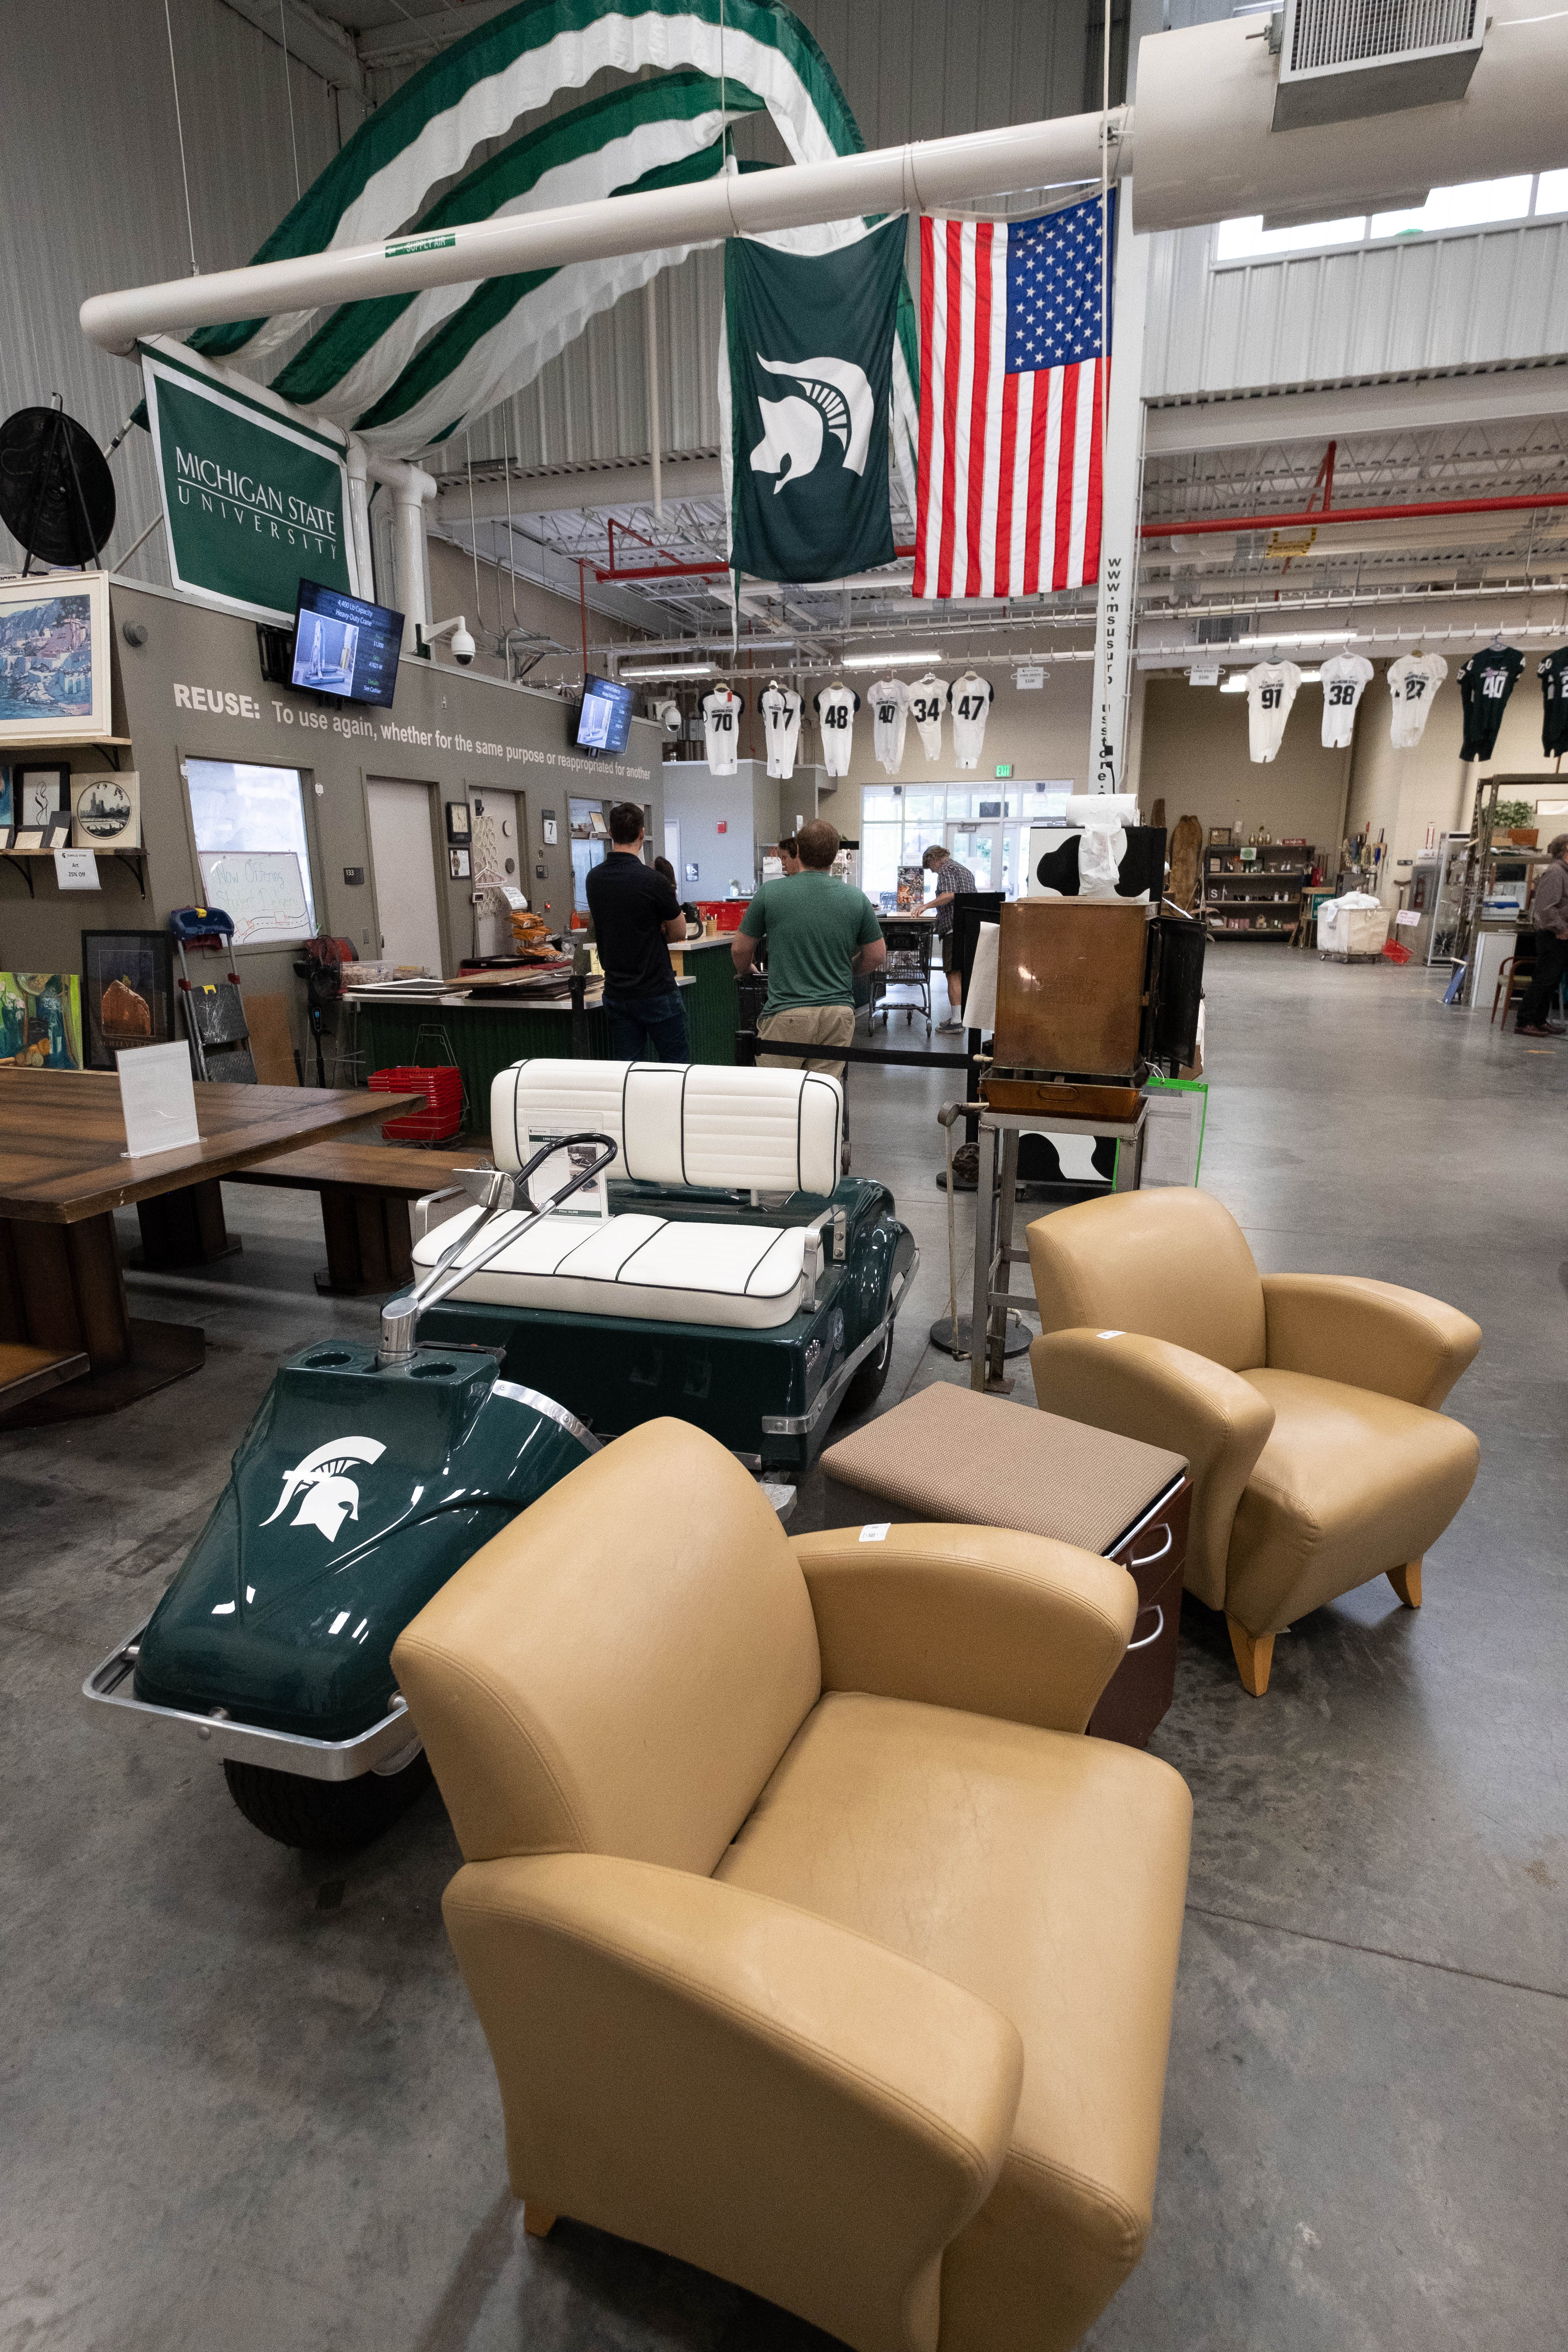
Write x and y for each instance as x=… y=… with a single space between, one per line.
x=1342 y=60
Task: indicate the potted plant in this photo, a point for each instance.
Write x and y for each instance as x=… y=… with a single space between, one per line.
x=1514 y=820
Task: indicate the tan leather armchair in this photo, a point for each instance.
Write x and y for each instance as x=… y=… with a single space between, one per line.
x=1305 y=1403
x=814 y=1943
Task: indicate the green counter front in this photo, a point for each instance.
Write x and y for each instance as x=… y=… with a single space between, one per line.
x=484 y=1038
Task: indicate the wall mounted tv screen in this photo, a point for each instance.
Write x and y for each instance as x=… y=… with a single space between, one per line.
x=605 y=719
x=346 y=646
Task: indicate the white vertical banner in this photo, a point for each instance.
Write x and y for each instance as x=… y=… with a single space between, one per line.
x=1121 y=477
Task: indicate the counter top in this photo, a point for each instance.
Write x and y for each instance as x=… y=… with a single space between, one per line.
x=456 y=999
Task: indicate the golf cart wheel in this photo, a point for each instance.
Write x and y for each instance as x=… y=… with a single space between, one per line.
x=868 y=1381
x=324 y=1816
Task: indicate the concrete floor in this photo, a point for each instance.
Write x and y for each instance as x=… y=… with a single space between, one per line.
x=244 y=2102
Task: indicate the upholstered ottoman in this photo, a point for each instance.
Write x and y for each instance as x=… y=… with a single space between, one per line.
x=948 y=1454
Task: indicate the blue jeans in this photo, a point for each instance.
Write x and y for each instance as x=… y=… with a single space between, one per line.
x=648 y=1028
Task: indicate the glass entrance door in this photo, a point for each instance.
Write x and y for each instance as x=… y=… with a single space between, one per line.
x=980 y=847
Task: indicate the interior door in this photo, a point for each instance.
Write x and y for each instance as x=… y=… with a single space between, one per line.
x=405 y=866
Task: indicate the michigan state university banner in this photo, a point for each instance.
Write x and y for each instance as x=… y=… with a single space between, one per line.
x=809 y=379
x=254 y=498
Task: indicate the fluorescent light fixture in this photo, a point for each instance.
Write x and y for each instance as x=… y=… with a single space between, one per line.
x=1303 y=638
x=668 y=669
x=1312 y=678
x=1236 y=683
x=887 y=661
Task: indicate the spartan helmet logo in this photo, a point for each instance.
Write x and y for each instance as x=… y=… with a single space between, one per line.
x=837 y=402
x=329 y=1495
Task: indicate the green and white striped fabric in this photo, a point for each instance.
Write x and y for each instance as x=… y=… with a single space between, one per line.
x=481 y=87
x=407 y=371
x=352 y=368
x=510 y=327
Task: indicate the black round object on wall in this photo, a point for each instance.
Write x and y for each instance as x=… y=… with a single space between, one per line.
x=56 y=494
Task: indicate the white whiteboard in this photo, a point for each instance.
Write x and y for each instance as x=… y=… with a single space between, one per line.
x=262 y=889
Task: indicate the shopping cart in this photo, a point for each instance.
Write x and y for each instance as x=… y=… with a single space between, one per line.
x=908 y=941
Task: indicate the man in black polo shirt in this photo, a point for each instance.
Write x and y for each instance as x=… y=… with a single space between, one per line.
x=635 y=911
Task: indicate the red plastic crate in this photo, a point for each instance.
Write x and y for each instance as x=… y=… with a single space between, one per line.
x=443 y=1090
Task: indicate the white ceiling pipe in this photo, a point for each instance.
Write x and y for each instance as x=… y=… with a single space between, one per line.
x=411 y=488
x=936 y=172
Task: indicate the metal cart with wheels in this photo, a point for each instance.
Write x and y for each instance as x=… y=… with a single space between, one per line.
x=908 y=938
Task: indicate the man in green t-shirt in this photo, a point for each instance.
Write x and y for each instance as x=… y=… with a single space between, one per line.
x=820 y=936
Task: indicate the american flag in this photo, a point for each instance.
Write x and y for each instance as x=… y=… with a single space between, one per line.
x=1012 y=358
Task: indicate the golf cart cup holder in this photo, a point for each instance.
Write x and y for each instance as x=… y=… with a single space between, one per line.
x=497 y=1195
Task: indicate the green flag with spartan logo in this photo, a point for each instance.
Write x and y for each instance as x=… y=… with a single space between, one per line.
x=811 y=364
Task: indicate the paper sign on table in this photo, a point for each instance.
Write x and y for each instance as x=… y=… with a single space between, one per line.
x=77 y=869
x=158 y=1099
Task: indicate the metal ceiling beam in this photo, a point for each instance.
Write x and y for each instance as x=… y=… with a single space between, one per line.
x=1432 y=401
x=436 y=28
x=314 y=41
x=1317 y=518
x=593 y=490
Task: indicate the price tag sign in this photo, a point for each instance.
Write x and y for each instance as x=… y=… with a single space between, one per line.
x=77 y=869
x=1204 y=676
x=1030 y=677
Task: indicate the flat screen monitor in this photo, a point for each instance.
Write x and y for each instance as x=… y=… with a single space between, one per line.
x=604 y=721
x=344 y=646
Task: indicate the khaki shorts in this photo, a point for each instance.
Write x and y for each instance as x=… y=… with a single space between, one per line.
x=807 y=1025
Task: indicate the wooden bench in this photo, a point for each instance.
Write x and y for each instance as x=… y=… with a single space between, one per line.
x=366 y=1188
x=27 y=1371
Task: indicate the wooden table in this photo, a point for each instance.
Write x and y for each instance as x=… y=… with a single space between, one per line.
x=365 y=1191
x=63 y=1173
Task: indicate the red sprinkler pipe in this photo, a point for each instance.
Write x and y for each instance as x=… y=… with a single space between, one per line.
x=1315 y=515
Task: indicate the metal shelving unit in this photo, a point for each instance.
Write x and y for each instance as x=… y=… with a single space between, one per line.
x=1255 y=898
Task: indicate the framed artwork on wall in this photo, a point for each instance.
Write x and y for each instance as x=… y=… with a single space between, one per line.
x=459 y=861
x=106 y=809
x=40 y=1020
x=40 y=792
x=54 y=658
x=127 y=993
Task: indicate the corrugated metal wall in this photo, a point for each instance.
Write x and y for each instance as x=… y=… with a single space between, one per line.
x=93 y=198
x=1316 y=318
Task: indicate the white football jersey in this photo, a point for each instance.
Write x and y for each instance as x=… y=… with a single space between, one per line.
x=781 y=708
x=1271 y=691
x=889 y=711
x=835 y=707
x=928 y=700
x=721 y=728
x=1413 y=681
x=1344 y=682
x=971 y=700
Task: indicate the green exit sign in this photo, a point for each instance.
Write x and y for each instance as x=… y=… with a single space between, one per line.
x=1004 y=771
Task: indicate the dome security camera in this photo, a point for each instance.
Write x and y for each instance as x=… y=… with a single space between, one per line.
x=456 y=628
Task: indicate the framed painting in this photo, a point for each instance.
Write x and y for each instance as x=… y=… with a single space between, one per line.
x=127 y=993
x=42 y=793
x=40 y=1020
x=54 y=658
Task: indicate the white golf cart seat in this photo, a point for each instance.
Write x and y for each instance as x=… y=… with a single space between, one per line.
x=686 y=1125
